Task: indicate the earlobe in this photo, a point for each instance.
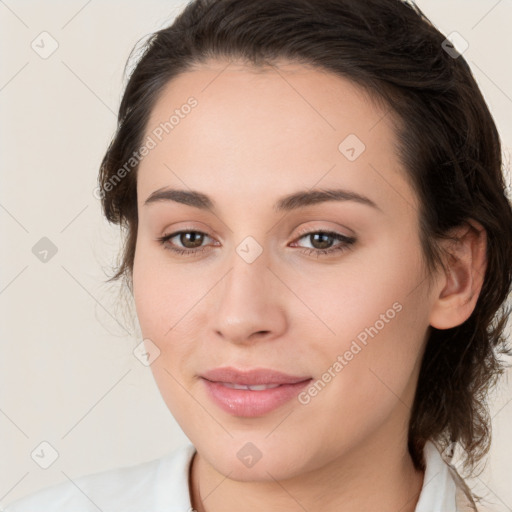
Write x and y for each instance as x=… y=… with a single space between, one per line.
x=461 y=282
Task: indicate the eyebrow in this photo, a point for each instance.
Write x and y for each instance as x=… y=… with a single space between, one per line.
x=290 y=202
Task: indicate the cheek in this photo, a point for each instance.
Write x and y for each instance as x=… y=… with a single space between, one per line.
x=367 y=374
x=169 y=305
x=364 y=291
x=161 y=293
x=161 y=305
x=377 y=316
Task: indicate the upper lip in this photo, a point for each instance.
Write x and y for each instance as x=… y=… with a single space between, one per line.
x=251 y=377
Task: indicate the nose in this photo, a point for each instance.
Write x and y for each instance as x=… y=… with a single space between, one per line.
x=249 y=302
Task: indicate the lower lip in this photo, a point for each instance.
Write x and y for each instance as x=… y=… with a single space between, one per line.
x=249 y=404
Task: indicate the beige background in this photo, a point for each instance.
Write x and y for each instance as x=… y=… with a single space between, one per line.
x=68 y=373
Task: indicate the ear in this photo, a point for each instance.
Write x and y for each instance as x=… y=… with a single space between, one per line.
x=460 y=284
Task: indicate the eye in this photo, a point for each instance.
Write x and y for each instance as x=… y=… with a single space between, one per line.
x=191 y=242
x=322 y=242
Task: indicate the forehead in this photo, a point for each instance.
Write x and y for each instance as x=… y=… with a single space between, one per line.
x=253 y=126
x=285 y=94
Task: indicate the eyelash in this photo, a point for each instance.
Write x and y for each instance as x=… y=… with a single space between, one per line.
x=346 y=245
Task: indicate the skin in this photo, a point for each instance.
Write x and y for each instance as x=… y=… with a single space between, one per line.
x=255 y=136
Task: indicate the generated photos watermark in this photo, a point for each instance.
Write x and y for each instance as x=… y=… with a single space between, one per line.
x=356 y=346
x=157 y=135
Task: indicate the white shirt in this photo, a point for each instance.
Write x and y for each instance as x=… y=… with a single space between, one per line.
x=161 y=485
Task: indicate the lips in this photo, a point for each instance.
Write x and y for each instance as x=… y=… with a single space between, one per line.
x=251 y=393
x=253 y=377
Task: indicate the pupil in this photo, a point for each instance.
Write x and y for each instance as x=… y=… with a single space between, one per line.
x=323 y=244
x=194 y=237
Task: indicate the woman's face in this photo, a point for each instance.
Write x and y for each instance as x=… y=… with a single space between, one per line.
x=258 y=289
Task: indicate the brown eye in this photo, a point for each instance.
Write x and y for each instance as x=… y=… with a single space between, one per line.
x=321 y=240
x=191 y=239
x=186 y=242
x=324 y=242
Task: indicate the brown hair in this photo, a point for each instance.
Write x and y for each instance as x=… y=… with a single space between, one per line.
x=448 y=143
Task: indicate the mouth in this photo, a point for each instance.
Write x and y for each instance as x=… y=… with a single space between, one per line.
x=260 y=387
x=251 y=393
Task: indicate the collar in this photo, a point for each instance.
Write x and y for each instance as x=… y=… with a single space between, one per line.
x=443 y=489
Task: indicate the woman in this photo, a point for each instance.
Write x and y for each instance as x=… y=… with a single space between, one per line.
x=319 y=246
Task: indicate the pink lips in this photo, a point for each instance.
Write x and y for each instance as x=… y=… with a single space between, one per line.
x=272 y=389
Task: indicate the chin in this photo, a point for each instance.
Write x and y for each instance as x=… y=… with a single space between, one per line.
x=259 y=460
